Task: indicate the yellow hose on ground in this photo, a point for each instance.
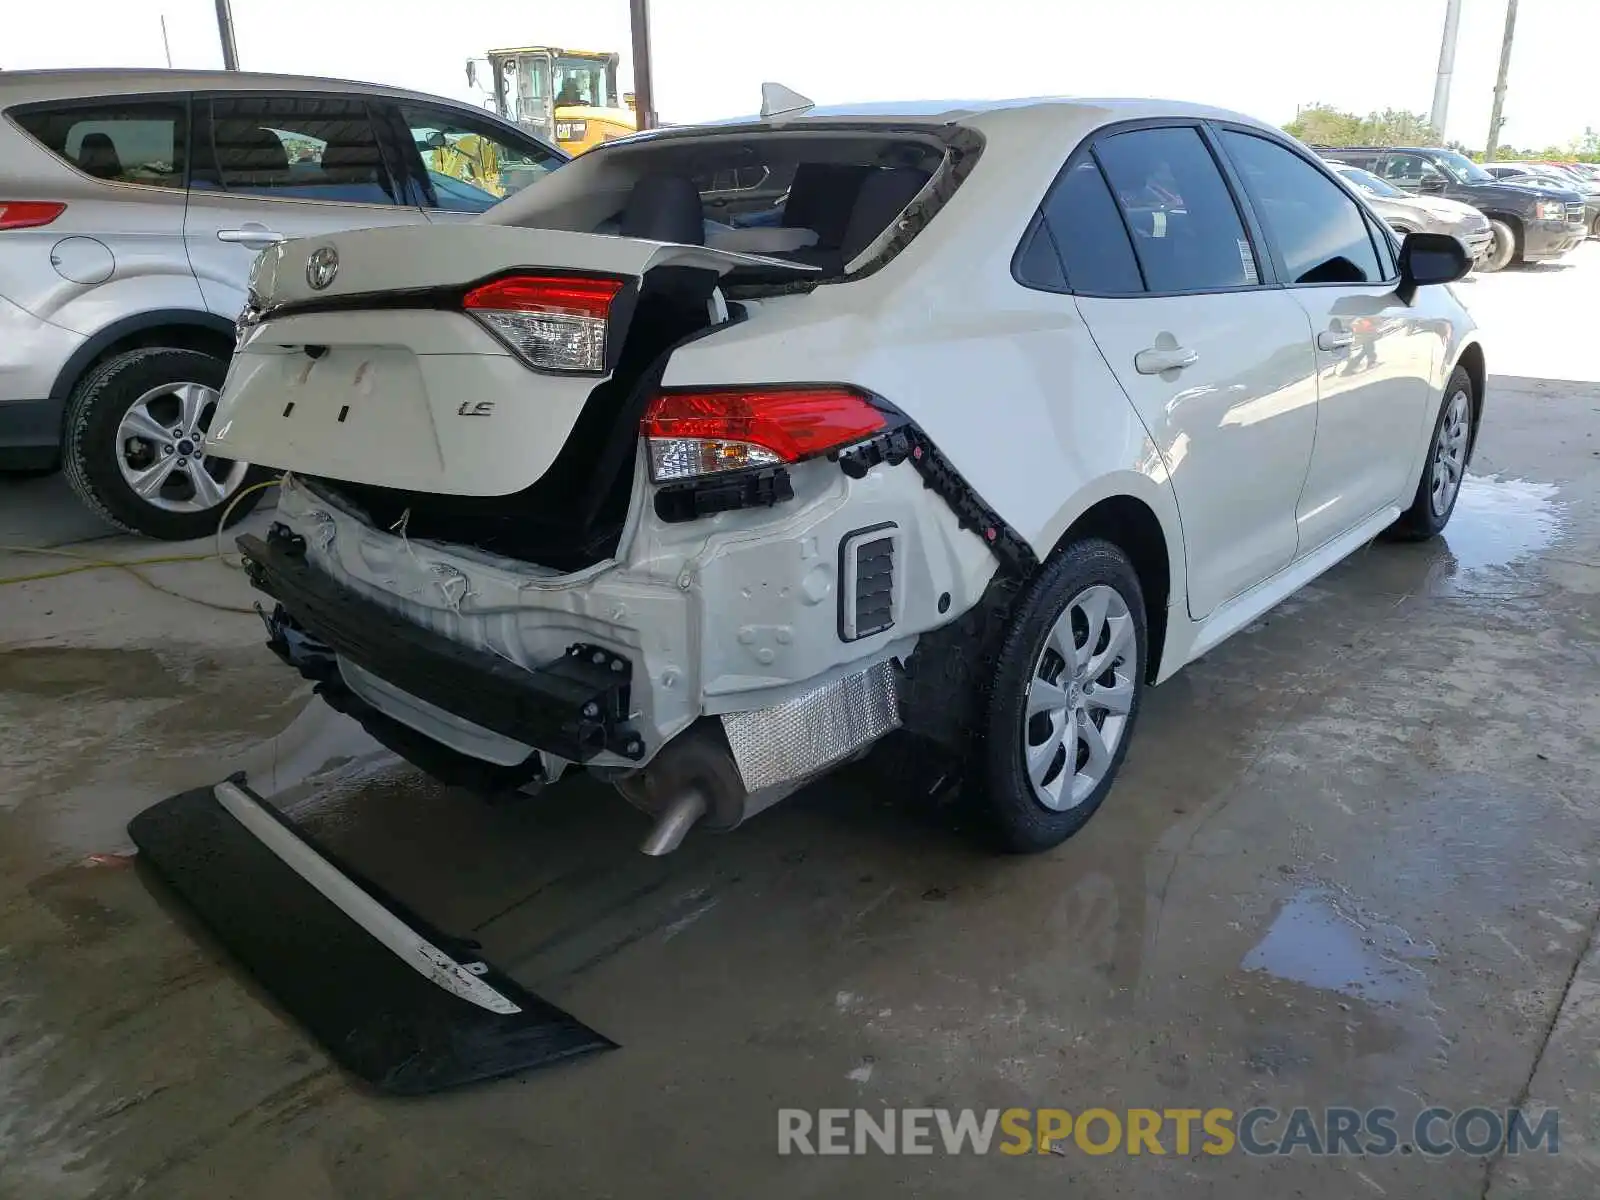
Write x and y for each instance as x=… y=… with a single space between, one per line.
x=88 y=562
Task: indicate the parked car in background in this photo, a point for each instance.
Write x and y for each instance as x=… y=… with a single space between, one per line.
x=709 y=509
x=1405 y=213
x=1530 y=222
x=1554 y=175
x=132 y=205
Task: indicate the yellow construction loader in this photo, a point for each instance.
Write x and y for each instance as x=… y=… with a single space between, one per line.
x=568 y=97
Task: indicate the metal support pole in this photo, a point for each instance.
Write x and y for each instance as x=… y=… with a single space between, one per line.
x=1447 y=66
x=1496 y=116
x=230 y=51
x=644 y=92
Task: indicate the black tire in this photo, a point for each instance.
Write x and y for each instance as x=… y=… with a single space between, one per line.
x=1594 y=226
x=90 y=450
x=1424 y=519
x=1502 y=251
x=1004 y=793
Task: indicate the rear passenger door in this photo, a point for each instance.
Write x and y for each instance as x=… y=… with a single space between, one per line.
x=1170 y=280
x=278 y=165
x=1374 y=356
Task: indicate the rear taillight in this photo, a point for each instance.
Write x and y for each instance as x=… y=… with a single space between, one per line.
x=29 y=214
x=553 y=322
x=694 y=433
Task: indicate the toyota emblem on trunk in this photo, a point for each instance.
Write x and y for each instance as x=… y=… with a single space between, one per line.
x=322 y=266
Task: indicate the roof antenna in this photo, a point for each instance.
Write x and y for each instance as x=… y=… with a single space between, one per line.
x=779 y=101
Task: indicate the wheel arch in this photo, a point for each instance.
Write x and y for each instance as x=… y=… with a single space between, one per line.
x=1471 y=359
x=1132 y=524
x=178 y=328
x=1507 y=218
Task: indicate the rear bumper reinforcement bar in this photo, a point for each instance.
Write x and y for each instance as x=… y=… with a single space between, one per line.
x=574 y=707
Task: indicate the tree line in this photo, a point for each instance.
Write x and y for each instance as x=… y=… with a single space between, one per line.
x=1325 y=125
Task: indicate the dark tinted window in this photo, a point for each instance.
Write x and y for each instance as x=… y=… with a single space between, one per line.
x=127 y=141
x=1186 y=230
x=309 y=147
x=1407 y=170
x=1038 y=265
x=1089 y=232
x=1318 y=229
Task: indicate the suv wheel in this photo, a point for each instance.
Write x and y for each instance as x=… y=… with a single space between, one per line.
x=134 y=444
x=1068 y=682
x=1444 y=468
x=1502 y=251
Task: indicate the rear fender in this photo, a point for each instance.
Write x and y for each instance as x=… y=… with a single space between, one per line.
x=1147 y=483
x=141 y=329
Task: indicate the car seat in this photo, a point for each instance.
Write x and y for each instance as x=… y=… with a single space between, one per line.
x=664 y=208
x=250 y=156
x=97 y=156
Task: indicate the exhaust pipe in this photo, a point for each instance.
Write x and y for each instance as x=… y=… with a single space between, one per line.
x=694 y=781
x=666 y=835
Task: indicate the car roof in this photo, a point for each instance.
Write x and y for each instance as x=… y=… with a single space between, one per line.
x=18 y=87
x=1017 y=114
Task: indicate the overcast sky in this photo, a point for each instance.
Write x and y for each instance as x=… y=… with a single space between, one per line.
x=1263 y=57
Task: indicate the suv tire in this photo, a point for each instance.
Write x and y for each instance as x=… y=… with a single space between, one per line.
x=1502 y=251
x=1444 y=467
x=1045 y=712
x=140 y=411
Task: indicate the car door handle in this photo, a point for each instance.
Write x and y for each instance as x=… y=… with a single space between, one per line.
x=260 y=236
x=1164 y=358
x=1335 y=339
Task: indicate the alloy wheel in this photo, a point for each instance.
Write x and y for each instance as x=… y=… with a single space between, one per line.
x=161 y=450
x=1080 y=694
x=1450 y=453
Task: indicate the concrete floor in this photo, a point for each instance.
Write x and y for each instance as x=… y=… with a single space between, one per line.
x=1352 y=860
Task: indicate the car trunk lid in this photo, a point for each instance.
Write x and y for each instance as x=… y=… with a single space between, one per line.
x=364 y=365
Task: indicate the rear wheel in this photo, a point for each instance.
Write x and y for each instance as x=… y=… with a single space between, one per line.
x=1445 y=466
x=1502 y=250
x=1068 y=682
x=1594 y=226
x=134 y=448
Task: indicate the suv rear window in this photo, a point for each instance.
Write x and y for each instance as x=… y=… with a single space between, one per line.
x=121 y=141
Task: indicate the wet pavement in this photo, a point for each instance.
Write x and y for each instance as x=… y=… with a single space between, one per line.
x=1352 y=861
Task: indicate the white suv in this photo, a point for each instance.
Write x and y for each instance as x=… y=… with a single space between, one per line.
x=132 y=204
x=975 y=422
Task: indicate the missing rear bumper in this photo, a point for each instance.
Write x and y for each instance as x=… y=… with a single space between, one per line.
x=398 y=1004
x=575 y=707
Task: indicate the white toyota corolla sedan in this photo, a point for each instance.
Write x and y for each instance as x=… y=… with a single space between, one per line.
x=713 y=457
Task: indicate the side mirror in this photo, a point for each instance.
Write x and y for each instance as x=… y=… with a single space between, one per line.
x=1430 y=258
x=1432 y=183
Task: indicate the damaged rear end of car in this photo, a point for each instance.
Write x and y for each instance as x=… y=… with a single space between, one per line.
x=606 y=479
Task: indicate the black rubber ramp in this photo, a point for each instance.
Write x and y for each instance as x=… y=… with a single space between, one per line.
x=380 y=1017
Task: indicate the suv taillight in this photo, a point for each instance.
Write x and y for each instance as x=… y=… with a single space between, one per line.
x=704 y=432
x=553 y=322
x=29 y=214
